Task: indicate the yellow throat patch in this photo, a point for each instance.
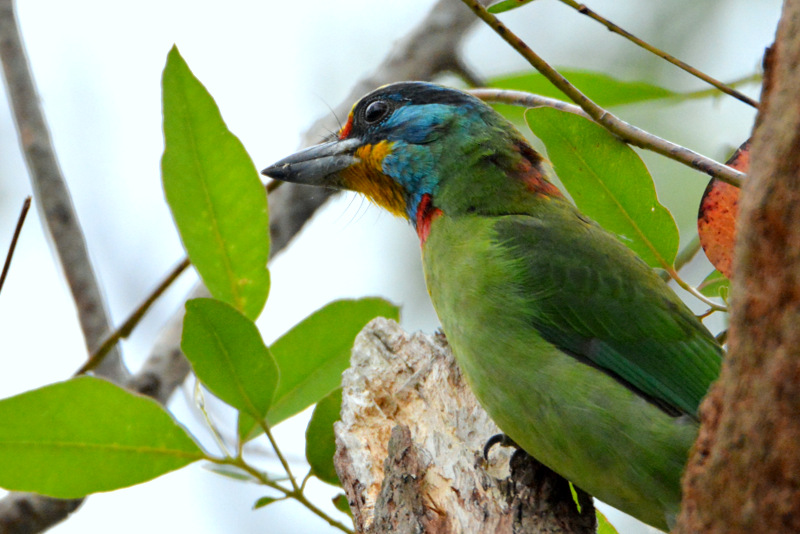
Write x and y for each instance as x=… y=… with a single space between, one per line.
x=367 y=177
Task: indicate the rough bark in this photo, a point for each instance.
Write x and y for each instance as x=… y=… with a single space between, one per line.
x=744 y=472
x=409 y=449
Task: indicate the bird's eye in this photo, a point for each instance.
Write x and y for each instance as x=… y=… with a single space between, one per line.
x=376 y=111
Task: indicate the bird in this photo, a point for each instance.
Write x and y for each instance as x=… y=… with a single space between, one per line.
x=575 y=347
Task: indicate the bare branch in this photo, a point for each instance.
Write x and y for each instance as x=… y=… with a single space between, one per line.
x=51 y=193
x=633 y=134
x=624 y=131
x=21 y=512
x=581 y=8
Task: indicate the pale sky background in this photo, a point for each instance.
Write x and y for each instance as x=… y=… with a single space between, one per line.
x=274 y=67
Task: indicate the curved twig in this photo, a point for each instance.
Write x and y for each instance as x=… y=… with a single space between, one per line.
x=581 y=8
x=633 y=135
x=603 y=117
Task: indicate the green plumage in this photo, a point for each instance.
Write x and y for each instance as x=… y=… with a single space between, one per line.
x=573 y=417
x=575 y=347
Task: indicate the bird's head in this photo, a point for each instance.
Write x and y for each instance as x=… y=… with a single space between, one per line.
x=413 y=146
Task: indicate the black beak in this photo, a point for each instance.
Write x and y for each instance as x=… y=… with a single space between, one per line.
x=316 y=165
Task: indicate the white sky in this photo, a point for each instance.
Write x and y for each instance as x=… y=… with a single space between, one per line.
x=273 y=68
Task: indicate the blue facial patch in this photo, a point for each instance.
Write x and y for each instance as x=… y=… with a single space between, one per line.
x=412 y=162
x=418 y=124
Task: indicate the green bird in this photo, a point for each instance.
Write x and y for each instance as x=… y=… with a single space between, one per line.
x=574 y=346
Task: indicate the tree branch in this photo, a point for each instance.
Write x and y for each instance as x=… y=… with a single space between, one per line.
x=21 y=512
x=633 y=135
x=606 y=119
x=742 y=474
x=52 y=195
x=582 y=9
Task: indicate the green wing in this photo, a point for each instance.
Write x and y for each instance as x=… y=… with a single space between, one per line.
x=593 y=298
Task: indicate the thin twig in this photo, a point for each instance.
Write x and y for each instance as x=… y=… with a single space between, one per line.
x=756 y=77
x=130 y=323
x=526 y=100
x=51 y=192
x=294 y=494
x=279 y=454
x=581 y=8
x=200 y=402
x=20 y=221
x=635 y=136
x=305 y=481
x=693 y=290
x=625 y=131
x=687 y=253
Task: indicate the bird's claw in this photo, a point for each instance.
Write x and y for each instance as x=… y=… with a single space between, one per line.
x=498 y=439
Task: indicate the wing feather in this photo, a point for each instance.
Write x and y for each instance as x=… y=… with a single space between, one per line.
x=597 y=301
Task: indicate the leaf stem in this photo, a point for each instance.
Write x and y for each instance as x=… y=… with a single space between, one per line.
x=26 y=205
x=294 y=494
x=305 y=480
x=691 y=289
x=623 y=130
x=633 y=135
x=581 y=8
x=200 y=401
x=280 y=456
x=332 y=522
x=687 y=253
x=703 y=93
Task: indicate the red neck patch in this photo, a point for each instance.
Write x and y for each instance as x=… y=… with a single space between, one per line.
x=426 y=213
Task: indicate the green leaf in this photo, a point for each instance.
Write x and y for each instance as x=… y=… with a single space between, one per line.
x=86 y=435
x=715 y=285
x=608 y=182
x=341 y=504
x=228 y=356
x=313 y=355
x=507 y=5
x=214 y=192
x=602 y=88
x=603 y=526
x=320 y=441
x=575 y=498
x=266 y=501
x=232 y=472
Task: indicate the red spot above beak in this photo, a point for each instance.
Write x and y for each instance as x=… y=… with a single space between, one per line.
x=345 y=131
x=426 y=213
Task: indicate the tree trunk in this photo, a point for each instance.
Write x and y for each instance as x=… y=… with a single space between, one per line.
x=410 y=449
x=744 y=472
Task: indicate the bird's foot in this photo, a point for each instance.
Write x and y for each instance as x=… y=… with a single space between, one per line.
x=499 y=439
